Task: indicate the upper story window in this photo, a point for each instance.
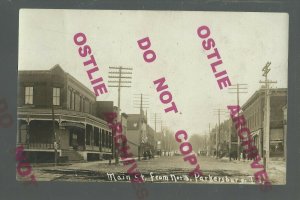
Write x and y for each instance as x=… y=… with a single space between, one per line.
x=28 y=95
x=56 y=96
x=71 y=99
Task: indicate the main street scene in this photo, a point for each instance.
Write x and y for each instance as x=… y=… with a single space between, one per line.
x=118 y=107
x=216 y=171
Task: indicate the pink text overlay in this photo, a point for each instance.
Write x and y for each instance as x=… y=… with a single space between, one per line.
x=248 y=146
x=214 y=57
x=122 y=148
x=166 y=98
x=223 y=81
x=23 y=168
x=85 y=50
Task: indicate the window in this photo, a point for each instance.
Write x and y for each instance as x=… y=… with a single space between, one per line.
x=56 y=96
x=102 y=137
x=71 y=94
x=28 y=95
x=83 y=104
x=68 y=99
x=80 y=105
x=73 y=100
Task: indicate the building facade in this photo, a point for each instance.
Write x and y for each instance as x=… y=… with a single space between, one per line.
x=136 y=133
x=57 y=113
x=253 y=110
x=140 y=136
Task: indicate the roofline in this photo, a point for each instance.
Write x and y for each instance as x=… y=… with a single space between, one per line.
x=68 y=75
x=81 y=85
x=257 y=92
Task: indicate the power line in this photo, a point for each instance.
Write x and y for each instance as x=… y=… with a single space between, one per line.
x=266 y=142
x=141 y=107
x=155 y=119
x=219 y=113
x=117 y=81
x=141 y=101
x=240 y=88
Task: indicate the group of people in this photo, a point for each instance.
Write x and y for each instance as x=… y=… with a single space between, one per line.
x=148 y=155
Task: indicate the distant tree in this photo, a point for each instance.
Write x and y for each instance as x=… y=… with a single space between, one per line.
x=197 y=142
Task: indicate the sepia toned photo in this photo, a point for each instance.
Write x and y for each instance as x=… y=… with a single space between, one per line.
x=152 y=96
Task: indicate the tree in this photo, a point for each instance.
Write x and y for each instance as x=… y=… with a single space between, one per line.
x=198 y=142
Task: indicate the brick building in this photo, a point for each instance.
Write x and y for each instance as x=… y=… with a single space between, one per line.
x=253 y=110
x=56 y=110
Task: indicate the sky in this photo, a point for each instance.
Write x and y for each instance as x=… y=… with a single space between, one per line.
x=245 y=41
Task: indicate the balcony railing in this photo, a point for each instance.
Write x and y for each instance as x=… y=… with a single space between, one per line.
x=38 y=146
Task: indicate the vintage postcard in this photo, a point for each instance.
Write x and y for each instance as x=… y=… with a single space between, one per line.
x=152 y=96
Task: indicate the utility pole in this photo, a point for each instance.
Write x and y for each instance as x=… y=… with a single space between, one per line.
x=116 y=76
x=155 y=122
x=266 y=142
x=141 y=101
x=155 y=118
x=54 y=131
x=240 y=88
x=219 y=113
x=218 y=134
x=142 y=104
x=161 y=136
x=229 y=132
x=206 y=144
x=54 y=134
x=209 y=151
x=164 y=131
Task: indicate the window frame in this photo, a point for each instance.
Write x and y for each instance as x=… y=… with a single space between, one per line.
x=28 y=95
x=56 y=96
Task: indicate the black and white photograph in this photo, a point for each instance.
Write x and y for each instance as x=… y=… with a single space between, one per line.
x=190 y=97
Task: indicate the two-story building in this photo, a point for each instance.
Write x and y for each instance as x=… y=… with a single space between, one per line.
x=57 y=113
x=136 y=133
x=253 y=110
x=140 y=136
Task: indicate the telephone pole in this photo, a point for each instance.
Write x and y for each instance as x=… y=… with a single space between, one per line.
x=240 y=88
x=219 y=112
x=155 y=118
x=229 y=132
x=141 y=104
x=54 y=135
x=55 y=145
x=116 y=78
x=266 y=142
x=209 y=144
x=141 y=101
